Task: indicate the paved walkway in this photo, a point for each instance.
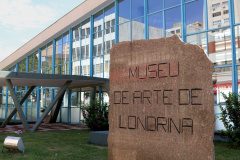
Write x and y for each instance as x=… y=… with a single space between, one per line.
x=44 y=127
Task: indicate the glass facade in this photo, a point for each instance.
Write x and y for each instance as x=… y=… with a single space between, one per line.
x=85 y=48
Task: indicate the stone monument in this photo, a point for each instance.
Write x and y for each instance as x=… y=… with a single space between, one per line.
x=161 y=101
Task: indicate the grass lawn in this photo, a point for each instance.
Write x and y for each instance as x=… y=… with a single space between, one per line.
x=65 y=145
x=68 y=145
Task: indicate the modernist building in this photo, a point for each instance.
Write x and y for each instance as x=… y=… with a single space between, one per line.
x=79 y=44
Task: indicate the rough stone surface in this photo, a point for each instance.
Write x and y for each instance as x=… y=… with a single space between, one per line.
x=161 y=100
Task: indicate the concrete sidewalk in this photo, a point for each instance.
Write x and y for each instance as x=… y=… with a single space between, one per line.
x=44 y=127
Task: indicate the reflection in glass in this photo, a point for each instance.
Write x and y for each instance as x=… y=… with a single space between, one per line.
x=85 y=67
x=124 y=11
x=75 y=50
x=43 y=59
x=155 y=26
x=237 y=11
x=98 y=66
x=237 y=42
x=109 y=12
x=65 y=54
x=106 y=65
x=98 y=20
x=35 y=58
x=49 y=57
x=155 y=5
x=173 y=22
x=76 y=68
x=222 y=83
x=219 y=47
x=65 y=37
x=109 y=40
x=198 y=39
x=137 y=8
x=218 y=15
x=124 y=32
x=76 y=31
x=65 y=68
x=194 y=16
x=138 y=29
x=171 y=3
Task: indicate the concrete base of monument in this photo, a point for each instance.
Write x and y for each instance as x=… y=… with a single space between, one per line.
x=99 y=138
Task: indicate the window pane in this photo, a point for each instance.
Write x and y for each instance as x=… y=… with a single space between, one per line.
x=75 y=50
x=49 y=45
x=124 y=32
x=106 y=65
x=43 y=59
x=65 y=68
x=170 y=3
x=155 y=5
x=194 y=16
x=65 y=55
x=108 y=38
x=155 y=26
x=85 y=30
x=58 y=69
x=36 y=57
x=76 y=31
x=198 y=39
x=99 y=51
x=58 y=56
x=109 y=14
x=76 y=68
x=59 y=40
x=173 y=22
x=237 y=42
x=66 y=37
x=237 y=11
x=49 y=57
x=98 y=66
x=222 y=83
x=84 y=43
x=24 y=65
x=219 y=47
x=138 y=29
x=20 y=67
x=98 y=20
x=30 y=63
x=137 y=8
x=85 y=67
x=216 y=20
x=124 y=11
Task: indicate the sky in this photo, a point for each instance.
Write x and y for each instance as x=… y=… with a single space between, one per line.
x=21 y=20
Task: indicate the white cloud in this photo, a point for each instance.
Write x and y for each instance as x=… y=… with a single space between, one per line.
x=5 y=51
x=24 y=14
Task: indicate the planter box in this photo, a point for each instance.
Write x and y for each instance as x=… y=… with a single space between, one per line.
x=99 y=138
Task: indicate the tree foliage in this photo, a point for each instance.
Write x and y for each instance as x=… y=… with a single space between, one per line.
x=96 y=116
x=230 y=117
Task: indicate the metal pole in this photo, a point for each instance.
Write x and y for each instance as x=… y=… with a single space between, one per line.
x=91 y=45
x=146 y=18
x=183 y=21
x=232 y=27
x=116 y=21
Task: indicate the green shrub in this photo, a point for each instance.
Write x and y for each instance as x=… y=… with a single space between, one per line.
x=230 y=117
x=96 y=116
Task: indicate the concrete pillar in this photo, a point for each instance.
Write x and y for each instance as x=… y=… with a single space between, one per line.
x=93 y=93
